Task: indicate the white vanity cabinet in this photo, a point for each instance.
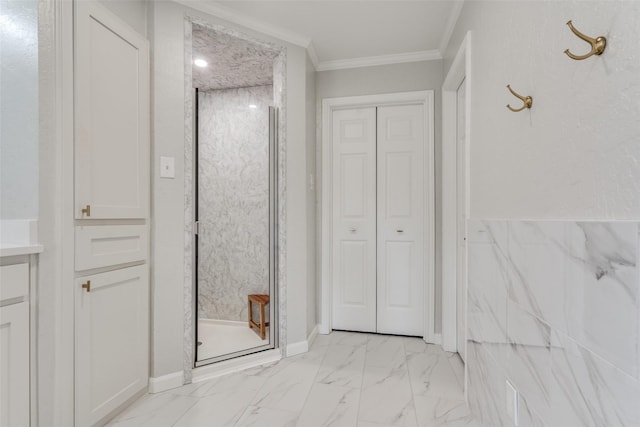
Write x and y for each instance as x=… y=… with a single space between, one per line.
x=14 y=345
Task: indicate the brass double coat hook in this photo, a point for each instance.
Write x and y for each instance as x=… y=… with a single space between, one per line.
x=598 y=45
x=527 y=100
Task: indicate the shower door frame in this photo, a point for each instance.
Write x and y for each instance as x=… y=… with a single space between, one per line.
x=273 y=233
x=277 y=300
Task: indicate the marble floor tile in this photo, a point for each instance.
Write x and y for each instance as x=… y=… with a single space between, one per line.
x=343 y=366
x=256 y=416
x=458 y=367
x=330 y=406
x=331 y=385
x=162 y=409
x=225 y=406
x=416 y=345
x=439 y=412
x=288 y=389
x=349 y=338
x=385 y=350
x=386 y=396
x=370 y=424
x=432 y=375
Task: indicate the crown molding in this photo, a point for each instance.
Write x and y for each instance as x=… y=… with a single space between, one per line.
x=451 y=25
x=370 y=61
x=227 y=14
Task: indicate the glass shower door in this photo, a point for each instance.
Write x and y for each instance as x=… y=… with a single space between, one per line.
x=236 y=215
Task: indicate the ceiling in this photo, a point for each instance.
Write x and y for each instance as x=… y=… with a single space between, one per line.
x=343 y=34
x=231 y=61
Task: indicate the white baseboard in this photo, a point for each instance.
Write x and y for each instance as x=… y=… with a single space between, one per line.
x=166 y=382
x=312 y=336
x=297 y=348
x=302 y=346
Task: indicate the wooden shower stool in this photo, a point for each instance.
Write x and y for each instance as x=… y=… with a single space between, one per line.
x=261 y=300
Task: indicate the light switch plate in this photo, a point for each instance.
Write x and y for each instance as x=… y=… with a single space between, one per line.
x=167 y=167
x=512 y=403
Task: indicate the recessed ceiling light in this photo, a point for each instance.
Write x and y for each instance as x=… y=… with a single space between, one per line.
x=200 y=63
x=253 y=106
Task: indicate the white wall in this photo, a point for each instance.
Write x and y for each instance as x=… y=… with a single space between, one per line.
x=133 y=12
x=166 y=30
x=412 y=76
x=575 y=155
x=19 y=110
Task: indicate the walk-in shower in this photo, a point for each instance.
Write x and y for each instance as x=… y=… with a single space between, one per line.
x=235 y=194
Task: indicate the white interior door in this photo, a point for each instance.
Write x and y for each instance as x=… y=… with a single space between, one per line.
x=400 y=213
x=461 y=221
x=354 y=220
x=112 y=341
x=111 y=116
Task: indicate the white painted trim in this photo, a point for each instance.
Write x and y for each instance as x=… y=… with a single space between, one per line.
x=313 y=335
x=313 y=55
x=238 y=364
x=228 y=14
x=328 y=105
x=437 y=339
x=451 y=25
x=166 y=382
x=370 y=61
x=296 y=348
x=300 y=347
x=55 y=356
x=460 y=69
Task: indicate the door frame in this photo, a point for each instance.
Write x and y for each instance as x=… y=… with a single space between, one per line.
x=460 y=70
x=426 y=99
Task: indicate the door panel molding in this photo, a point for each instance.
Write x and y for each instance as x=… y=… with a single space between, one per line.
x=399 y=131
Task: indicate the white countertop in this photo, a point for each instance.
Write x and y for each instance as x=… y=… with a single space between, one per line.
x=14 y=250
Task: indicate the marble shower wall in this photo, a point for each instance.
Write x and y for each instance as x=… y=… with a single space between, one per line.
x=233 y=202
x=554 y=307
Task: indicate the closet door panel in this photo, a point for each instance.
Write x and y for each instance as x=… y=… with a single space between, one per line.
x=354 y=220
x=400 y=219
x=111 y=115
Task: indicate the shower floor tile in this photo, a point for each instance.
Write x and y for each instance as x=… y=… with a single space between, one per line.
x=220 y=337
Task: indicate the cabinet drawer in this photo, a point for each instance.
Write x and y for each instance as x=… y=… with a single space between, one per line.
x=14 y=281
x=106 y=245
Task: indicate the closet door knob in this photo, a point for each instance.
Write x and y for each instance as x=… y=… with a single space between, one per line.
x=352 y=230
x=400 y=231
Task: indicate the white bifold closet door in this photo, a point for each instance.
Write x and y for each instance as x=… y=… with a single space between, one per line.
x=400 y=212
x=378 y=219
x=354 y=219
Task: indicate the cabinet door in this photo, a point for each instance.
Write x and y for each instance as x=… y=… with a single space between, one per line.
x=401 y=207
x=354 y=220
x=14 y=365
x=111 y=116
x=112 y=336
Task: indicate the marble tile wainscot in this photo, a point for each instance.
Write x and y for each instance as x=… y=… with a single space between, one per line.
x=554 y=307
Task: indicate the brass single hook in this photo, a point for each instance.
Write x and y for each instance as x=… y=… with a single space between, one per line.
x=598 y=44
x=528 y=101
